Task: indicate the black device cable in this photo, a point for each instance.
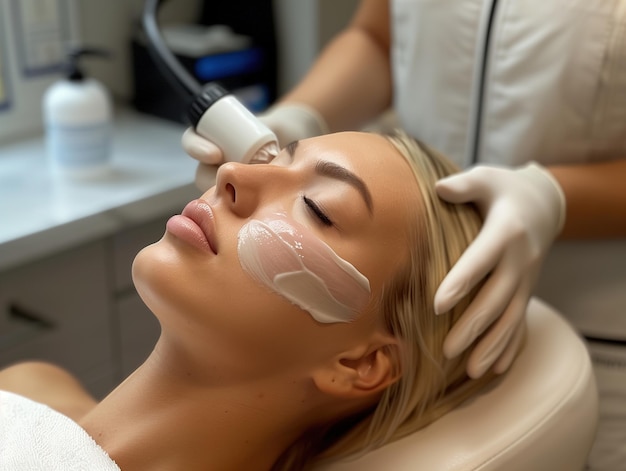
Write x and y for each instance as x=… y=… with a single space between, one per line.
x=184 y=83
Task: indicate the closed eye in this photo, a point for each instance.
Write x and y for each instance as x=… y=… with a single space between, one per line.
x=317 y=212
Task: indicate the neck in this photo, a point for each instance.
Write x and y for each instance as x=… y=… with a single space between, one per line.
x=163 y=417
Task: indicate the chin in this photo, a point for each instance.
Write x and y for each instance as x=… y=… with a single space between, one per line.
x=175 y=281
x=156 y=274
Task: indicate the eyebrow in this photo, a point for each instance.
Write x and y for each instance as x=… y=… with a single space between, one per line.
x=333 y=170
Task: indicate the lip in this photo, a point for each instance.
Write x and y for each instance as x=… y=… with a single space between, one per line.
x=195 y=225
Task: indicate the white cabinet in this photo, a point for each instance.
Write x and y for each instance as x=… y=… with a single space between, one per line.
x=58 y=309
x=79 y=309
x=137 y=329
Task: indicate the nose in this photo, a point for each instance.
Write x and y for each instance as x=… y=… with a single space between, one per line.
x=243 y=187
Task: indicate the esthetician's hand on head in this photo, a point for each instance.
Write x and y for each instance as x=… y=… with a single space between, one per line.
x=524 y=211
x=290 y=122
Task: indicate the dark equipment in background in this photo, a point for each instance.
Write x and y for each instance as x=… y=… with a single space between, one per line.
x=250 y=73
x=254 y=18
x=214 y=113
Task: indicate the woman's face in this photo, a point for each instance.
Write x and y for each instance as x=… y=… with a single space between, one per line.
x=333 y=209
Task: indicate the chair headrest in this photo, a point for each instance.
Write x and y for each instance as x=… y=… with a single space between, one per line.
x=540 y=415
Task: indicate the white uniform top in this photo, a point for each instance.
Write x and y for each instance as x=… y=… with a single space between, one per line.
x=510 y=81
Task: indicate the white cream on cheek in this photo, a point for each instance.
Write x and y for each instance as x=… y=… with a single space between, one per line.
x=287 y=258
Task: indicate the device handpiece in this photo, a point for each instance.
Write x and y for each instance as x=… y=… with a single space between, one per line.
x=221 y=118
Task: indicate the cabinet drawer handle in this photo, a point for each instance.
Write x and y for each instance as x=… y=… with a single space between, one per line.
x=20 y=313
x=25 y=324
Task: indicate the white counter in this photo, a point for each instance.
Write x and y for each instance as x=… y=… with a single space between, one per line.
x=41 y=214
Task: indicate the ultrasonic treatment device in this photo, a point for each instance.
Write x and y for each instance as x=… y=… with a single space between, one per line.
x=214 y=113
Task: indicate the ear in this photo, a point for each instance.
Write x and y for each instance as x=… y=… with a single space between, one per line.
x=362 y=371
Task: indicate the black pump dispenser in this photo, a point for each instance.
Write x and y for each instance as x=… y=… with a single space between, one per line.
x=73 y=71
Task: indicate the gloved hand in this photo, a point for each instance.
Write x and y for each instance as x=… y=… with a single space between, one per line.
x=523 y=211
x=289 y=122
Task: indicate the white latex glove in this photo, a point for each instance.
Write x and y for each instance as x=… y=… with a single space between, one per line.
x=523 y=211
x=289 y=122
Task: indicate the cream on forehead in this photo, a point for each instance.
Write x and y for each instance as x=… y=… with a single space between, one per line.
x=287 y=258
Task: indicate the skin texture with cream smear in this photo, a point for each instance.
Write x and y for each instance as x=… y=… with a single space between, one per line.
x=287 y=258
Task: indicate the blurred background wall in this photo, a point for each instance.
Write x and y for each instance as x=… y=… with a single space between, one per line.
x=32 y=31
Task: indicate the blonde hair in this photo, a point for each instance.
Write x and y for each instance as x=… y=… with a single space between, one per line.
x=430 y=384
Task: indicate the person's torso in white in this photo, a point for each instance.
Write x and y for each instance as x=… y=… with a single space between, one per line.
x=510 y=81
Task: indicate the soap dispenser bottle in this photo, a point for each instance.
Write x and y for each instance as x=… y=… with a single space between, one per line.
x=78 y=121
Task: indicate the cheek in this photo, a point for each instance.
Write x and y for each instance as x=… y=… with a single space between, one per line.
x=289 y=260
x=388 y=263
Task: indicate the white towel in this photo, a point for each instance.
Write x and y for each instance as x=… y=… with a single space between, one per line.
x=33 y=437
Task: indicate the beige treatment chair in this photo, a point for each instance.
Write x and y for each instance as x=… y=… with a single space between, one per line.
x=540 y=416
